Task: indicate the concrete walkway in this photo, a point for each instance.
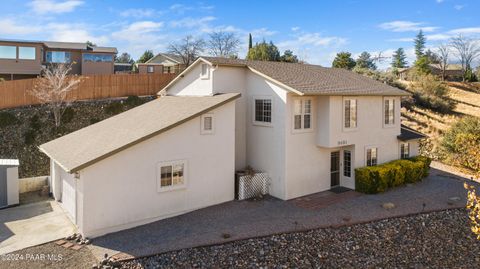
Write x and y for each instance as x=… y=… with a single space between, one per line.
x=245 y=219
x=32 y=224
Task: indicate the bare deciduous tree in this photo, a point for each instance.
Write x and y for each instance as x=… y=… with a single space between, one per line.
x=188 y=49
x=443 y=53
x=467 y=50
x=223 y=44
x=52 y=88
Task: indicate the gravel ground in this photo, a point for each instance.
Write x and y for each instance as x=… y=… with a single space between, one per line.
x=434 y=240
x=48 y=256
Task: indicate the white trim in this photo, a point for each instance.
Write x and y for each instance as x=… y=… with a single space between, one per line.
x=400 y=149
x=202 y=124
x=365 y=153
x=383 y=112
x=205 y=76
x=302 y=114
x=349 y=129
x=161 y=189
x=181 y=75
x=262 y=123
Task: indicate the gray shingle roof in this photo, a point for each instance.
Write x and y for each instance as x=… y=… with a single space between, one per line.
x=86 y=146
x=314 y=79
x=170 y=56
x=65 y=45
x=409 y=134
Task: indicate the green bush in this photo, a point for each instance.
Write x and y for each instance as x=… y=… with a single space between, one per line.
x=133 y=101
x=68 y=115
x=114 y=108
x=375 y=179
x=7 y=118
x=429 y=92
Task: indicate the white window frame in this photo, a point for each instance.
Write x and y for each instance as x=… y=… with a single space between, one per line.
x=262 y=123
x=302 y=114
x=152 y=69
x=392 y=101
x=207 y=71
x=344 y=163
x=402 y=156
x=366 y=155
x=344 y=101
x=203 y=131
x=172 y=187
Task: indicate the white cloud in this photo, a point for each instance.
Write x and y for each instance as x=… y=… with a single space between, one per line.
x=406 y=26
x=10 y=27
x=458 y=7
x=439 y=1
x=189 y=22
x=465 y=31
x=295 y=28
x=262 y=32
x=135 y=31
x=138 y=13
x=73 y=33
x=180 y=8
x=52 y=6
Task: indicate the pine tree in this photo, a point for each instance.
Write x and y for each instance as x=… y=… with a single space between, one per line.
x=419 y=41
x=399 y=59
x=365 y=61
x=344 y=60
x=250 y=45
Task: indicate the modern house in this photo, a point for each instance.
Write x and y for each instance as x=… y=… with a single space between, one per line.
x=307 y=127
x=25 y=59
x=453 y=72
x=162 y=63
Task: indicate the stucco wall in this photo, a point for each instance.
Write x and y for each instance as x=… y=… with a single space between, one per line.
x=192 y=84
x=121 y=191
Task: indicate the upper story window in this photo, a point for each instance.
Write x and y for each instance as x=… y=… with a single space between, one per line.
x=350 y=111
x=404 y=150
x=8 y=52
x=207 y=124
x=302 y=118
x=172 y=175
x=97 y=57
x=372 y=156
x=26 y=53
x=389 y=111
x=263 y=111
x=205 y=71
x=59 y=57
x=150 y=69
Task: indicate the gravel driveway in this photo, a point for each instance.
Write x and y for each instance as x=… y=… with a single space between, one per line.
x=435 y=240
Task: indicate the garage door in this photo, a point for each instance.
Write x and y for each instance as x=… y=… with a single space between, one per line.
x=68 y=197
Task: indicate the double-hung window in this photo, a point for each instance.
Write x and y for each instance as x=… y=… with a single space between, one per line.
x=172 y=175
x=372 y=156
x=350 y=111
x=389 y=111
x=404 y=150
x=263 y=111
x=347 y=163
x=302 y=118
x=207 y=124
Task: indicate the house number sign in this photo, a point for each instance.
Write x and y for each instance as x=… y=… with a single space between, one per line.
x=342 y=142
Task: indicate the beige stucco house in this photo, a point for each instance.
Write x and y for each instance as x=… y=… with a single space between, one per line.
x=307 y=127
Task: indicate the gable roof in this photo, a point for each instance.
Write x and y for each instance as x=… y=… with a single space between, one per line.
x=307 y=79
x=407 y=133
x=96 y=142
x=171 y=57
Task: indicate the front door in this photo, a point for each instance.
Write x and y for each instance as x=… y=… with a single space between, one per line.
x=335 y=168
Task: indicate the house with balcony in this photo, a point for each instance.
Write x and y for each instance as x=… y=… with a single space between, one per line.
x=305 y=127
x=25 y=59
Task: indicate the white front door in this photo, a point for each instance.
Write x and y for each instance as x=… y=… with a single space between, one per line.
x=68 y=196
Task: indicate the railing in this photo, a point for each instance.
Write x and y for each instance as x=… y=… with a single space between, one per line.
x=17 y=93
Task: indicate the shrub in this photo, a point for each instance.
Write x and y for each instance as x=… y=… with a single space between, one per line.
x=34 y=123
x=94 y=120
x=7 y=119
x=68 y=115
x=133 y=101
x=114 y=108
x=375 y=179
x=29 y=137
x=429 y=92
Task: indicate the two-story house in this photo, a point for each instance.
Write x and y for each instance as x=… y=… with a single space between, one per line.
x=25 y=59
x=306 y=126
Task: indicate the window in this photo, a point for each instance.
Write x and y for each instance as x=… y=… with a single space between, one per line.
x=150 y=69
x=204 y=73
x=26 y=53
x=389 y=111
x=350 y=113
x=404 y=150
x=207 y=124
x=371 y=156
x=97 y=58
x=347 y=163
x=302 y=118
x=167 y=69
x=172 y=174
x=59 y=57
x=8 y=52
x=263 y=110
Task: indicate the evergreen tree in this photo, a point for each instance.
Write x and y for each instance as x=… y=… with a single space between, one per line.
x=344 y=60
x=419 y=41
x=289 y=57
x=147 y=55
x=264 y=52
x=250 y=41
x=399 y=59
x=422 y=66
x=365 y=61
x=124 y=58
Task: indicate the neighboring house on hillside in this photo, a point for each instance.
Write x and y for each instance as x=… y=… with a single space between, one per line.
x=453 y=72
x=25 y=59
x=306 y=126
x=162 y=63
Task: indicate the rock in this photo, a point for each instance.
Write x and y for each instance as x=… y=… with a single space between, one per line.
x=388 y=205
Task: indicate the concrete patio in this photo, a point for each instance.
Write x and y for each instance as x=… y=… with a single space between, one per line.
x=246 y=219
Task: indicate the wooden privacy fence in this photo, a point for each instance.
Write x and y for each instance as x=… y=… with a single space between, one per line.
x=17 y=93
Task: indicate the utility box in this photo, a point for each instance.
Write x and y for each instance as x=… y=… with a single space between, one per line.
x=8 y=182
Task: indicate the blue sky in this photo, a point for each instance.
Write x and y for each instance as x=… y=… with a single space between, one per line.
x=314 y=30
